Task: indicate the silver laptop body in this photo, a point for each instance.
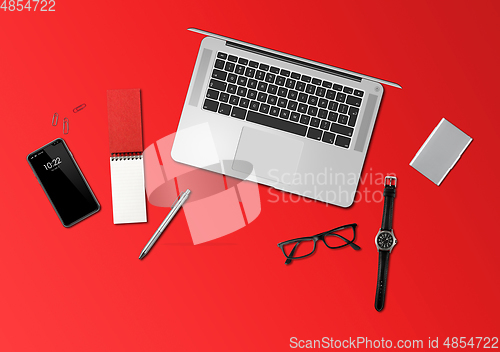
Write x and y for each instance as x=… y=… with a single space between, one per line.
x=290 y=123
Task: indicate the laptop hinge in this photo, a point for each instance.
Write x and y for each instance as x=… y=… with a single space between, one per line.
x=294 y=61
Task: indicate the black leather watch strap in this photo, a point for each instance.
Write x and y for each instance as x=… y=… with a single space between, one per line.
x=383 y=266
x=389 y=195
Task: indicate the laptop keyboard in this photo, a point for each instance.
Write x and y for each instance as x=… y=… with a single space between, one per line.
x=284 y=100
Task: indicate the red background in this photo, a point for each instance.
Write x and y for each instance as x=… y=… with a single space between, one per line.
x=83 y=288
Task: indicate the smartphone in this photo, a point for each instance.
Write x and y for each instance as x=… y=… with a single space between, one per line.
x=63 y=182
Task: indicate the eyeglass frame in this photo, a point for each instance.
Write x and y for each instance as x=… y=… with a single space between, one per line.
x=316 y=238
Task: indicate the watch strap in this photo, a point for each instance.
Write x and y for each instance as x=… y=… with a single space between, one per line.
x=389 y=195
x=383 y=266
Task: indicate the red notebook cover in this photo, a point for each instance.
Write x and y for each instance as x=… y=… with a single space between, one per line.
x=125 y=121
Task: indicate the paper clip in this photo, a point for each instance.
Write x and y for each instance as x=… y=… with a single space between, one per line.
x=66 y=125
x=79 y=107
x=56 y=118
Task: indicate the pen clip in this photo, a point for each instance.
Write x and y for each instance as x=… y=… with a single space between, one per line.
x=176 y=199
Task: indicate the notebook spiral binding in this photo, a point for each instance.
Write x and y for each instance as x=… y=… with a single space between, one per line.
x=125 y=156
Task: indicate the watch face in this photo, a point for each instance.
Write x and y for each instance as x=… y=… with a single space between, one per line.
x=385 y=240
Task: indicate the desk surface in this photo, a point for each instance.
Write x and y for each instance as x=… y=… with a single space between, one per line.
x=85 y=288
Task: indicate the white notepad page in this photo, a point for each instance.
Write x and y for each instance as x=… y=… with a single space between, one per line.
x=127 y=189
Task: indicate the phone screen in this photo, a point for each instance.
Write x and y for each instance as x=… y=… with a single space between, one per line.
x=63 y=182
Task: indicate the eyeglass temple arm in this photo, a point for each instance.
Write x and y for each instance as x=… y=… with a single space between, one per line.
x=352 y=244
x=288 y=260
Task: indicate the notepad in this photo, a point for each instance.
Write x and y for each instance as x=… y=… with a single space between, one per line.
x=126 y=162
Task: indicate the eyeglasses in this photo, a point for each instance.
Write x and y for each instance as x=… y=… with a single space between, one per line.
x=303 y=247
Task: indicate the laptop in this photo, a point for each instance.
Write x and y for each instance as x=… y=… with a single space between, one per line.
x=296 y=125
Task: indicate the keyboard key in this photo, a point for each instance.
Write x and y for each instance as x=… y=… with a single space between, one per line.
x=304 y=119
x=322 y=113
x=348 y=90
x=272 y=89
x=352 y=100
x=358 y=93
x=292 y=94
x=239 y=113
x=262 y=86
x=282 y=92
x=290 y=83
x=337 y=87
x=294 y=116
x=330 y=94
x=327 y=84
x=244 y=102
x=280 y=80
x=313 y=100
x=342 y=141
x=295 y=75
x=231 y=89
x=282 y=102
x=232 y=58
x=285 y=114
x=352 y=121
x=221 y=55
x=306 y=79
x=328 y=137
x=272 y=100
x=264 y=67
x=333 y=116
x=218 y=85
x=253 y=64
x=292 y=105
x=229 y=66
x=232 y=78
x=252 y=94
x=260 y=75
x=323 y=103
x=234 y=100
x=312 y=111
x=316 y=81
x=224 y=109
x=274 y=111
x=264 y=108
x=250 y=72
x=300 y=86
x=314 y=133
x=219 y=64
x=212 y=94
x=270 y=77
x=314 y=122
x=285 y=73
x=262 y=97
x=252 y=84
x=211 y=105
x=242 y=81
x=302 y=97
x=343 y=108
x=340 y=97
x=343 y=119
x=274 y=70
x=344 y=130
x=254 y=105
x=240 y=69
x=224 y=97
x=333 y=105
x=324 y=125
x=279 y=124
x=320 y=91
x=243 y=61
x=242 y=91
x=353 y=112
x=302 y=108
x=310 y=89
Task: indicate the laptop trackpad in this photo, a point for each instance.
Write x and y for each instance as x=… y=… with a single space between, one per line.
x=271 y=155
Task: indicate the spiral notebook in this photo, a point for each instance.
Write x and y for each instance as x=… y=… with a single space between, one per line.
x=126 y=162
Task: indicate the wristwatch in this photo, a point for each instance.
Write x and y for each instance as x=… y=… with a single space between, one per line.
x=385 y=241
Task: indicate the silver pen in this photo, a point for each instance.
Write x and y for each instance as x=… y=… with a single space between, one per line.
x=175 y=208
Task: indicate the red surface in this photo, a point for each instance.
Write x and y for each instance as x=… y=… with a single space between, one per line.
x=83 y=289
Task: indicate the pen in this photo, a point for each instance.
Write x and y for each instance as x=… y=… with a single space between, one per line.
x=182 y=199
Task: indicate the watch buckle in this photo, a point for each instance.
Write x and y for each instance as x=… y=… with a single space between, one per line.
x=388 y=181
